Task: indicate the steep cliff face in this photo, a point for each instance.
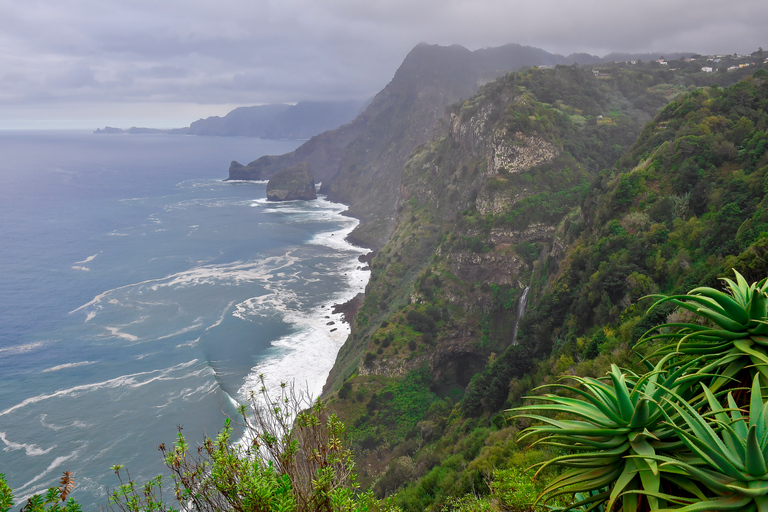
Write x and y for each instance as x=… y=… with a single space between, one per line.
x=322 y=153
x=291 y=184
x=489 y=209
x=361 y=163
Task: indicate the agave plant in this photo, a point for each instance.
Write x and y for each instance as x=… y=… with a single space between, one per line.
x=736 y=339
x=612 y=445
x=730 y=460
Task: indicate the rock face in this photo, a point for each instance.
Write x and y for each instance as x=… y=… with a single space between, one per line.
x=361 y=162
x=292 y=183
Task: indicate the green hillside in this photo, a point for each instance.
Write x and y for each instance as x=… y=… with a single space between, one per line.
x=547 y=180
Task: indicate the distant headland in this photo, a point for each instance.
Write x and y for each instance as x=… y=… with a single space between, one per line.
x=273 y=121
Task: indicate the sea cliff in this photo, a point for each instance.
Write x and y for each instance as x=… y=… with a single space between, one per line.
x=292 y=183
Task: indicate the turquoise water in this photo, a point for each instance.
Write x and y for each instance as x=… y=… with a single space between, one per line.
x=139 y=292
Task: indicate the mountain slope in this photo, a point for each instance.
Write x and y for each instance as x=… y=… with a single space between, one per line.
x=515 y=200
x=361 y=163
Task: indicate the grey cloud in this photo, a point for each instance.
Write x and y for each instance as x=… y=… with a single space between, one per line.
x=255 y=51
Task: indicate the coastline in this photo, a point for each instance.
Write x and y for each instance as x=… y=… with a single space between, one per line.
x=349 y=308
x=308 y=354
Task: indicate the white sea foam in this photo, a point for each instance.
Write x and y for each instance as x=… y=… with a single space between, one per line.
x=58 y=461
x=276 y=301
x=185 y=330
x=307 y=355
x=210 y=183
x=115 y=331
x=74 y=424
x=203 y=390
x=207 y=203
x=88 y=259
x=234 y=273
x=32 y=450
x=68 y=365
x=134 y=380
x=21 y=349
x=245 y=182
x=221 y=317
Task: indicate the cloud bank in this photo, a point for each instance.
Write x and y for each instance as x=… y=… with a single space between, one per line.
x=89 y=60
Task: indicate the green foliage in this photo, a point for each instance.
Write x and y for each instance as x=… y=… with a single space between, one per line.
x=515 y=488
x=729 y=459
x=648 y=441
x=542 y=207
x=733 y=346
x=488 y=389
x=6 y=495
x=420 y=321
x=690 y=192
x=132 y=497
x=293 y=459
x=54 y=499
x=620 y=427
x=397 y=408
x=668 y=215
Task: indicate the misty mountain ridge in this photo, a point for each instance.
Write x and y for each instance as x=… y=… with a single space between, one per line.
x=273 y=121
x=360 y=163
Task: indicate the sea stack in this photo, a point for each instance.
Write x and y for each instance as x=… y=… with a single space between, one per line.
x=292 y=183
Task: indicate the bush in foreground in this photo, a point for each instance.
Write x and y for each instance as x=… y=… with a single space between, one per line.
x=288 y=454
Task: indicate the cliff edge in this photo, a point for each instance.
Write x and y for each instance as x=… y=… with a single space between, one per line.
x=292 y=183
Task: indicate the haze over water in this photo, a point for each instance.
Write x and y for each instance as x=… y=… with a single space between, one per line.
x=138 y=292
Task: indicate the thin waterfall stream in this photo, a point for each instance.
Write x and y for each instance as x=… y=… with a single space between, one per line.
x=521 y=304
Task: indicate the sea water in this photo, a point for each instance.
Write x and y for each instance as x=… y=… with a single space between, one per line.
x=139 y=291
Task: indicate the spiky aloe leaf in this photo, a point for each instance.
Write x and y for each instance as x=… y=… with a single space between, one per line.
x=733 y=503
x=754 y=461
x=726 y=303
x=641 y=414
x=621 y=424
x=731 y=461
x=735 y=336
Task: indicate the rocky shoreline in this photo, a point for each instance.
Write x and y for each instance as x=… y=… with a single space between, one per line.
x=349 y=308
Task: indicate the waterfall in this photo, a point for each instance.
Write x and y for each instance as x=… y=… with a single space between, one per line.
x=521 y=304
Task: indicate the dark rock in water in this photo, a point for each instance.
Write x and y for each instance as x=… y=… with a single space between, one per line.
x=292 y=183
x=350 y=307
x=330 y=323
x=366 y=258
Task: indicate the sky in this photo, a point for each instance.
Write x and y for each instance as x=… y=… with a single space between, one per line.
x=165 y=63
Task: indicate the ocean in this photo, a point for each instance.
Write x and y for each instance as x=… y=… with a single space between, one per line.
x=139 y=291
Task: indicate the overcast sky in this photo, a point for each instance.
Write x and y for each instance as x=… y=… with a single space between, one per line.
x=166 y=63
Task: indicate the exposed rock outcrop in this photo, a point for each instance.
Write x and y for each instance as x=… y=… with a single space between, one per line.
x=291 y=184
x=519 y=153
x=490 y=267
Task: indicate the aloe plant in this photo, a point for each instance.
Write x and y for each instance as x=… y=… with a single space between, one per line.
x=735 y=341
x=728 y=453
x=621 y=427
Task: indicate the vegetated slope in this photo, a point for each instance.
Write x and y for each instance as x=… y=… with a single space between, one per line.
x=682 y=208
x=513 y=197
x=361 y=163
x=686 y=198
